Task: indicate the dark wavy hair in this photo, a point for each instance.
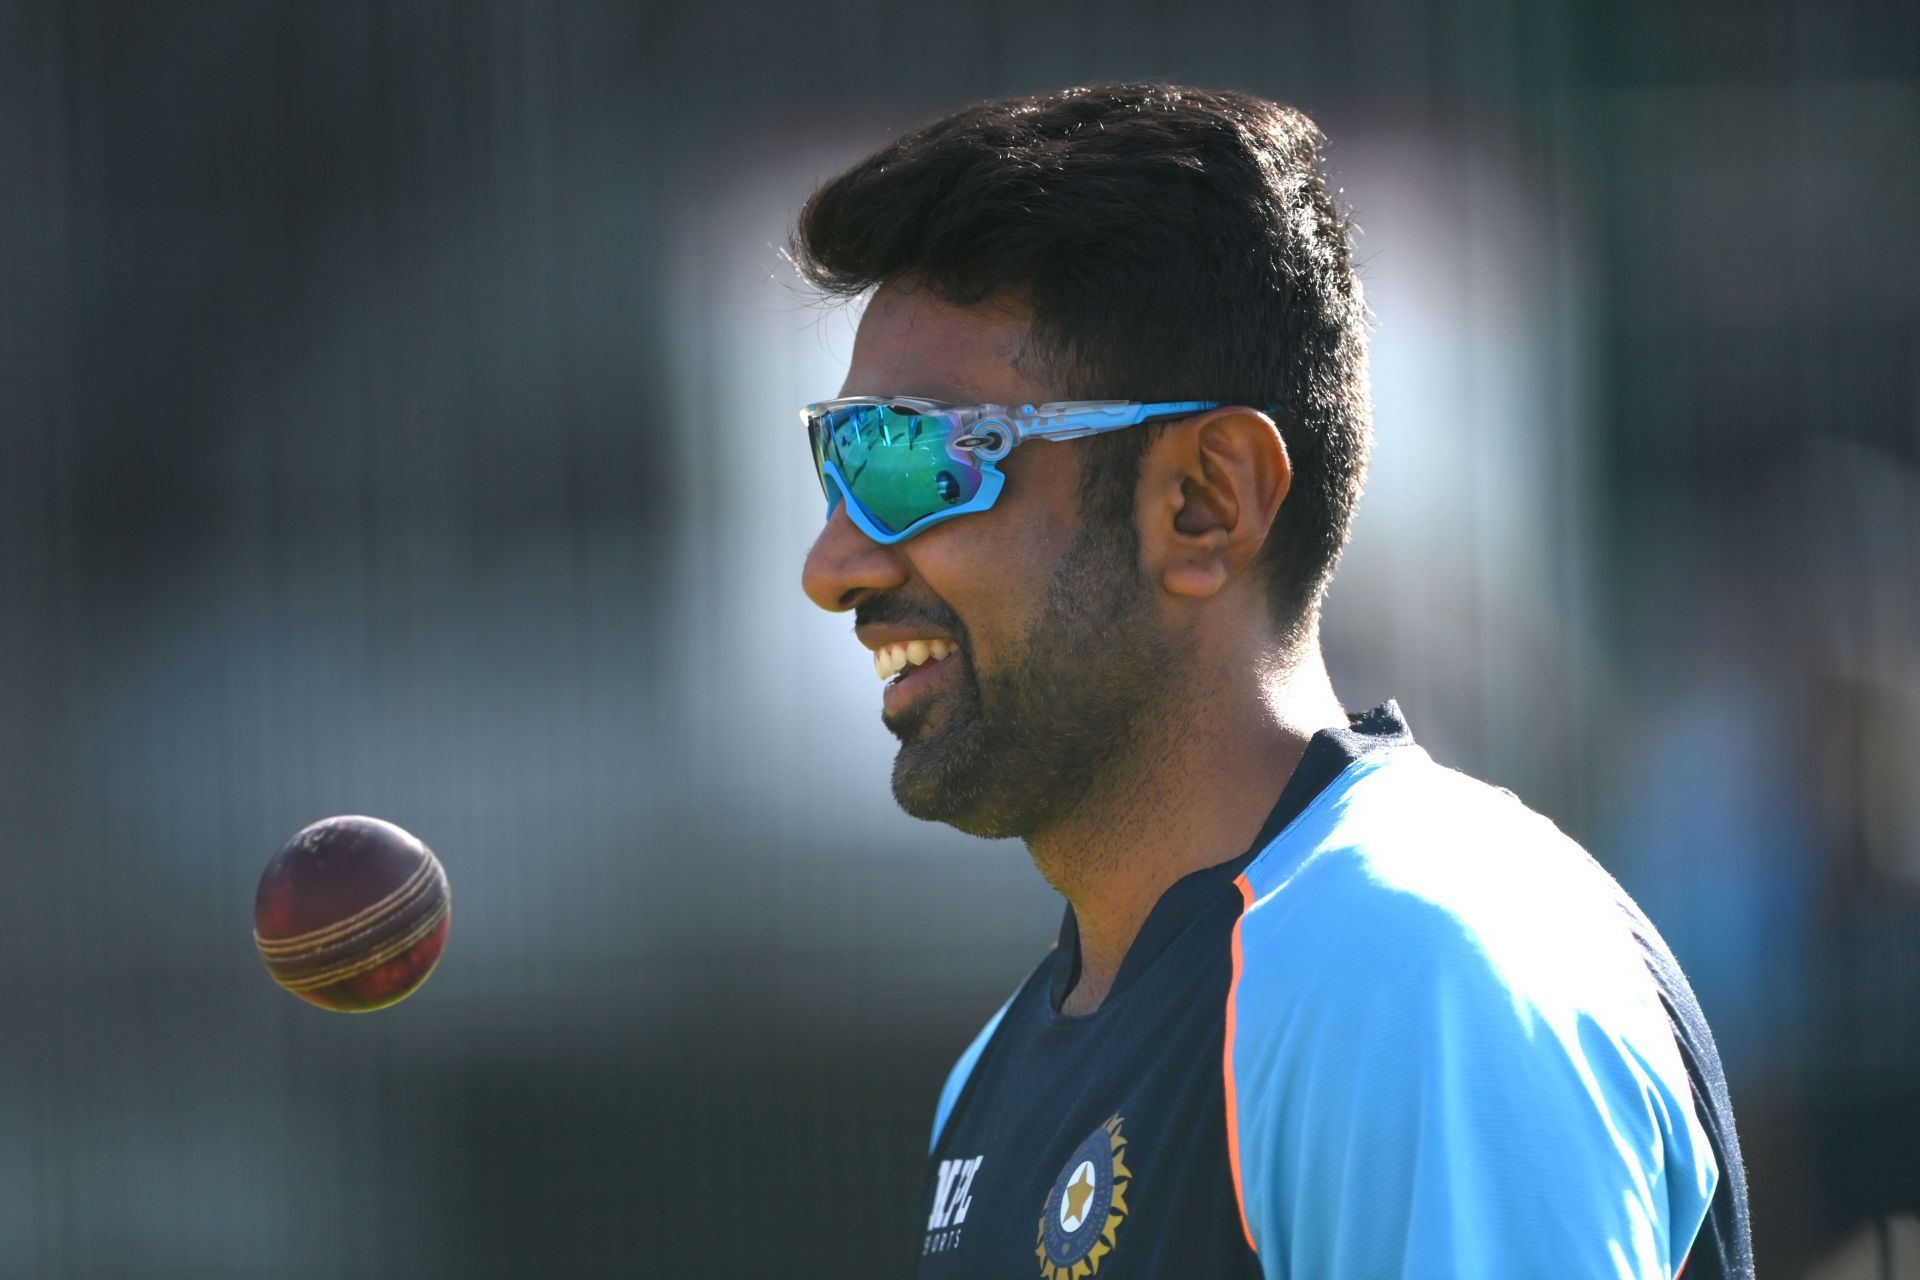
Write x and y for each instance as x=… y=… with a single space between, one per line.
x=1170 y=243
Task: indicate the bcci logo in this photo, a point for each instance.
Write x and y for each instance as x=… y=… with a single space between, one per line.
x=1086 y=1206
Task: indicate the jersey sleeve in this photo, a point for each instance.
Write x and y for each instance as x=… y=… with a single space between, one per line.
x=1415 y=1094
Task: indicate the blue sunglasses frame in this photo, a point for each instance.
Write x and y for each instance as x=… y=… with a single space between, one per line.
x=988 y=433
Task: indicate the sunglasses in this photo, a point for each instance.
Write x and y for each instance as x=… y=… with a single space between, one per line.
x=903 y=465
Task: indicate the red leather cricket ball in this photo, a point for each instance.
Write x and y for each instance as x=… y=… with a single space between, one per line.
x=352 y=914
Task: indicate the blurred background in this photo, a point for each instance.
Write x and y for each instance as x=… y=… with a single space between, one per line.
x=392 y=400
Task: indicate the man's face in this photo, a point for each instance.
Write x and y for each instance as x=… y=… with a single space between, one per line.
x=1060 y=658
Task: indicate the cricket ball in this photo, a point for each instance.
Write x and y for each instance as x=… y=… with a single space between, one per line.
x=351 y=914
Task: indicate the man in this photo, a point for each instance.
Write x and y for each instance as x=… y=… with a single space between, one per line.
x=1319 y=1007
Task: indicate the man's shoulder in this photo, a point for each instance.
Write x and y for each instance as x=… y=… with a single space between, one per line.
x=1398 y=823
x=1430 y=976
x=1398 y=812
x=1404 y=871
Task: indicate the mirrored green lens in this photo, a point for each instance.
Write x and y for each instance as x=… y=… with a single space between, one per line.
x=897 y=462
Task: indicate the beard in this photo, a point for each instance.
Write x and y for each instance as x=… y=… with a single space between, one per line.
x=1012 y=752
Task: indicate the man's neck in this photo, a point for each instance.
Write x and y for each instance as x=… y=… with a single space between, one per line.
x=1192 y=799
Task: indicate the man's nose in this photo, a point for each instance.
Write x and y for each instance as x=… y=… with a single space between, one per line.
x=844 y=565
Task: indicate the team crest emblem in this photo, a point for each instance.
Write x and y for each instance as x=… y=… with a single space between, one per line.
x=1086 y=1206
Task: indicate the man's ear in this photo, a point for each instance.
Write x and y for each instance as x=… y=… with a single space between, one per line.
x=1210 y=488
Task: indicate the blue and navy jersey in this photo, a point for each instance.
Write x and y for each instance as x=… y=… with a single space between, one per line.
x=1414 y=1031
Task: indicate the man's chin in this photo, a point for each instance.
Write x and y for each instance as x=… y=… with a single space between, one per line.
x=936 y=781
x=922 y=786
x=972 y=819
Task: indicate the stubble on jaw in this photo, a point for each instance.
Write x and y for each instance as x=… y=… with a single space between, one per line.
x=1081 y=705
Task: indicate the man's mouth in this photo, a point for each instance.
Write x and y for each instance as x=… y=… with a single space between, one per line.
x=894 y=661
x=910 y=668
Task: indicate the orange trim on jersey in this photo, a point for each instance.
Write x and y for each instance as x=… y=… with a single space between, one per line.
x=1233 y=1102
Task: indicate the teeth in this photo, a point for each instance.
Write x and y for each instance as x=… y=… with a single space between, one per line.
x=891 y=659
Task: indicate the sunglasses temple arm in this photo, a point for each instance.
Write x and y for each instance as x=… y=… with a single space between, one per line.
x=1074 y=424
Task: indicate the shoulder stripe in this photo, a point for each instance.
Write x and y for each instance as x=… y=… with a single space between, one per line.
x=962 y=1070
x=1233 y=1100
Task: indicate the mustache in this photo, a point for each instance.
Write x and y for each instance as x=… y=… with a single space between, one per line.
x=894 y=611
